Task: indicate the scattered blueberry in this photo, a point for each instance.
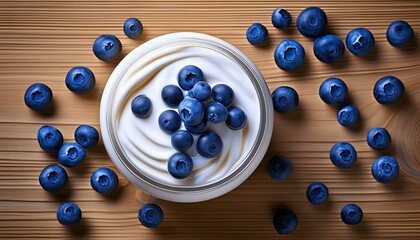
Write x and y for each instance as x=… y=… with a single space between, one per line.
x=388 y=90
x=182 y=140
x=189 y=76
x=38 y=96
x=223 y=94
x=312 y=22
x=201 y=91
x=360 y=41
x=53 y=178
x=285 y=221
x=69 y=214
x=257 y=34
x=385 y=169
x=86 y=135
x=236 y=118
x=199 y=128
x=80 y=79
x=107 y=47
x=104 y=180
x=351 y=214
x=348 y=116
x=50 y=138
x=71 y=155
x=279 y=167
x=133 y=28
x=281 y=18
x=285 y=99
x=216 y=112
x=399 y=33
x=141 y=106
x=180 y=165
x=172 y=95
x=191 y=111
x=317 y=193
x=343 y=155
x=333 y=91
x=169 y=121
x=209 y=144
x=329 y=48
x=378 y=138
x=289 y=55
x=150 y=215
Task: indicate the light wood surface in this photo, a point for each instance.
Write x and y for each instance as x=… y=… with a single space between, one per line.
x=41 y=41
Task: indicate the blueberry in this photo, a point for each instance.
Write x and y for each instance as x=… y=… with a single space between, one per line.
x=329 y=48
x=343 y=155
x=132 y=28
x=104 y=180
x=312 y=22
x=289 y=55
x=317 y=193
x=285 y=99
x=216 y=112
x=141 y=106
x=348 y=115
x=360 y=41
x=279 y=167
x=150 y=215
x=53 y=178
x=285 y=221
x=191 y=111
x=209 y=144
x=169 y=121
x=50 y=138
x=199 y=128
x=80 y=79
x=388 y=90
x=172 y=95
x=333 y=91
x=107 y=47
x=38 y=96
x=182 y=140
x=223 y=94
x=378 y=138
x=399 y=33
x=189 y=76
x=236 y=118
x=71 y=155
x=69 y=214
x=385 y=169
x=201 y=91
x=281 y=18
x=86 y=135
x=180 y=165
x=257 y=34
x=351 y=214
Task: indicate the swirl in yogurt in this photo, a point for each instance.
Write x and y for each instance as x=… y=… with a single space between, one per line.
x=148 y=147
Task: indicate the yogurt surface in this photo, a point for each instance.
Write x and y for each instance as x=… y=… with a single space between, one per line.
x=148 y=147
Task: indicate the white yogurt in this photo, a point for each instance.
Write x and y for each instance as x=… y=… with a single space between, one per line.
x=149 y=148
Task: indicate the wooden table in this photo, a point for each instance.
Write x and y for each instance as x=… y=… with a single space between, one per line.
x=41 y=41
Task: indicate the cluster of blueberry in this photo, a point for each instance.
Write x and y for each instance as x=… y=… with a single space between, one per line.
x=103 y=180
x=201 y=106
x=328 y=48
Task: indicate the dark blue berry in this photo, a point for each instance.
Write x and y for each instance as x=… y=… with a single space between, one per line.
x=80 y=79
x=71 y=155
x=351 y=214
x=216 y=112
x=86 y=135
x=360 y=41
x=281 y=18
x=199 y=128
x=317 y=193
x=189 y=76
x=289 y=55
x=329 y=48
x=388 y=90
x=285 y=221
x=182 y=140
x=107 y=47
x=209 y=145
x=399 y=33
x=343 y=155
x=104 y=180
x=50 y=138
x=236 y=118
x=169 y=121
x=285 y=99
x=69 y=214
x=348 y=116
x=257 y=34
x=333 y=91
x=385 y=169
x=279 y=167
x=38 y=96
x=378 y=138
x=312 y=22
x=201 y=91
x=53 y=178
x=180 y=165
x=223 y=94
x=141 y=106
x=132 y=28
x=191 y=111
x=172 y=95
x=150 y=215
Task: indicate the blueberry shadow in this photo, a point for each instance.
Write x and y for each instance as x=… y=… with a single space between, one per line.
x=412 y=48
x=297 y=115
x=82 y=169
x=362 y=229
x=79 y=231
x=115 y=195
x=344 y=62
x=89 y=95
x=374 y=55
x=48 y=112
x=302 y=72
x=64 y=194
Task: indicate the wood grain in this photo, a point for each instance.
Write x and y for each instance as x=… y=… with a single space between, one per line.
x=41 y=40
